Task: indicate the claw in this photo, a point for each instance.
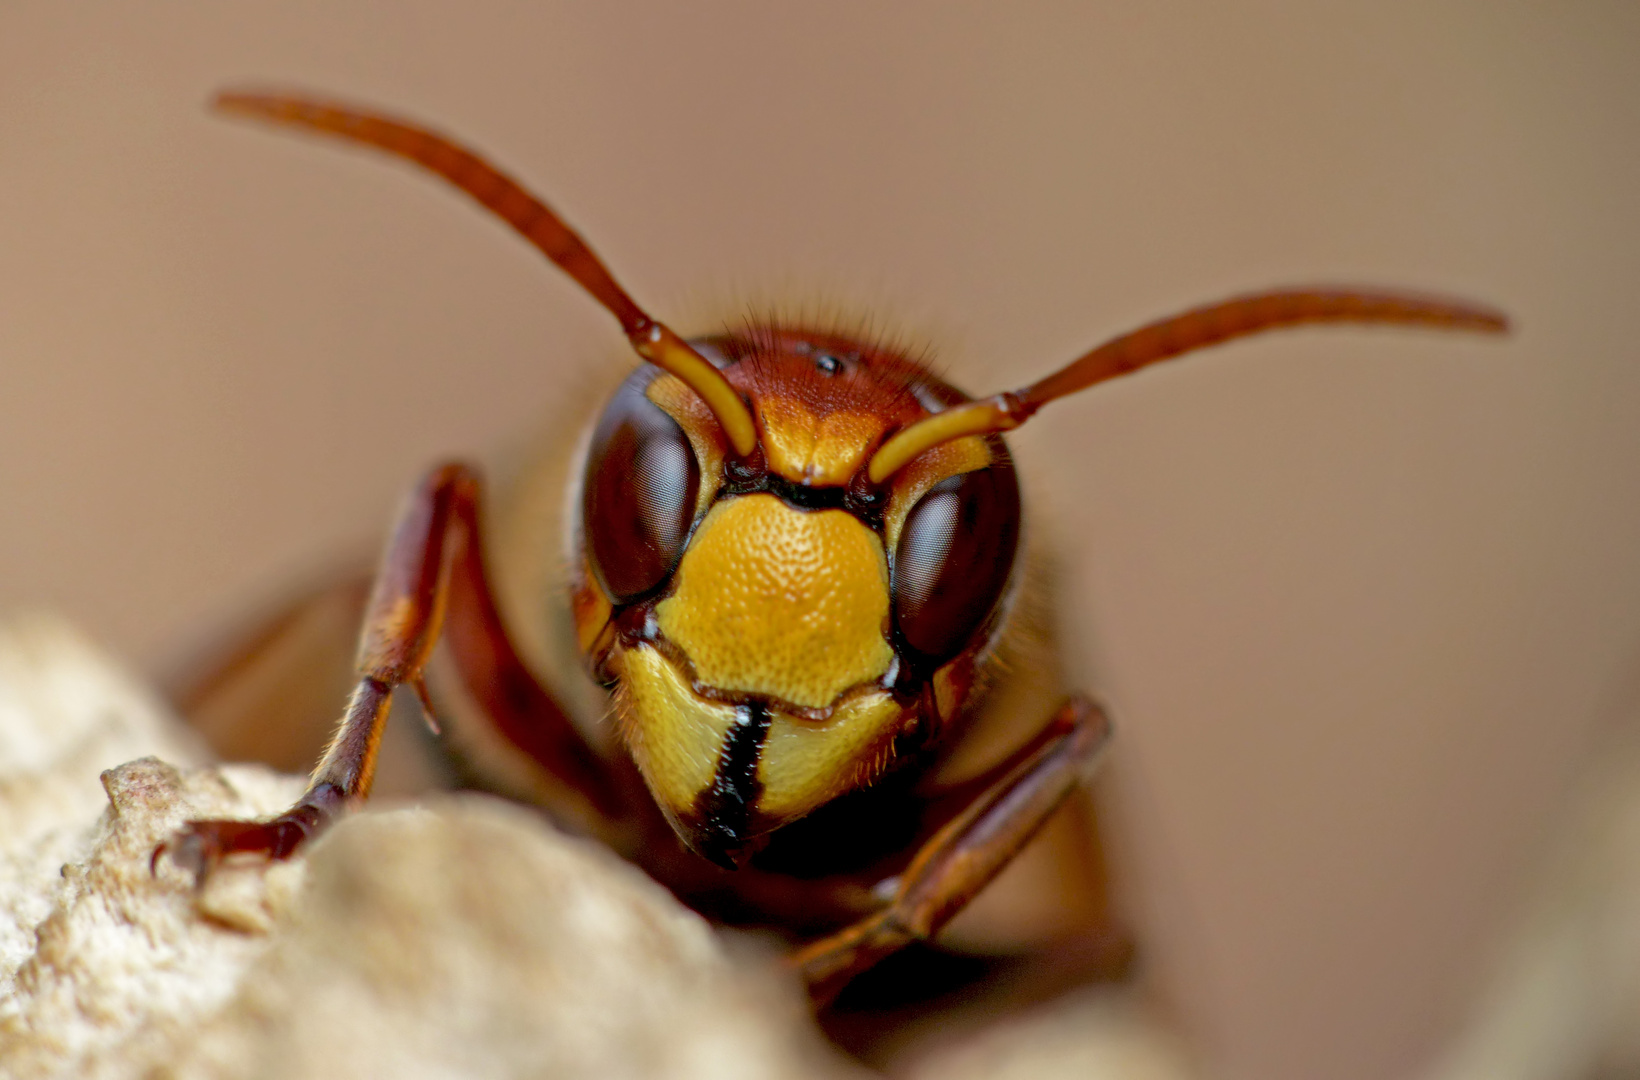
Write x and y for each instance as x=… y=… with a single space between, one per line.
x=199 y=846
x=428 y=713
x=187 y=849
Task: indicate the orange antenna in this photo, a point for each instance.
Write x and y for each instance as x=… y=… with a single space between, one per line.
x=1170 y=337
x=503 y=196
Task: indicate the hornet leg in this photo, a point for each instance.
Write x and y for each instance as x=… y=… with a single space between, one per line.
x=433 y=571
x=966 y=854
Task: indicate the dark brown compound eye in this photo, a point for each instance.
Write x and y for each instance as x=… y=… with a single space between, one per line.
x=638 y=496
x=954 y=558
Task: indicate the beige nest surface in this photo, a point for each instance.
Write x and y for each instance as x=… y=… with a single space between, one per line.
x=461 y=937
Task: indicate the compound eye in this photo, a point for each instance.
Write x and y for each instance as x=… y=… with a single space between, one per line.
x=638 y=496
x=954 y=558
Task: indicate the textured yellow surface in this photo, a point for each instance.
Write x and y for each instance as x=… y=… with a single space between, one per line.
x=805 y=448
x=675 y=737
x=772 y=600
x=805 y=763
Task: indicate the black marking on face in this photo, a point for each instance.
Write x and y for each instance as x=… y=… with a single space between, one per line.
x=725 y=808
x=863 y=502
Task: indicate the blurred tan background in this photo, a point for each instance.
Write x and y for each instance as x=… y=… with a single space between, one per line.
x=1362 y=601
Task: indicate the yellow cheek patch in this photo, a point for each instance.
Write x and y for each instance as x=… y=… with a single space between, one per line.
x=699 y=426
x=808 y=450
x=772 y=600
x=674 y=737
x=805 y=764
x=927 y=469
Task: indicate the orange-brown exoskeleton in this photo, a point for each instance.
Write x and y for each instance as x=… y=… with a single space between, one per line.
x=794 y=558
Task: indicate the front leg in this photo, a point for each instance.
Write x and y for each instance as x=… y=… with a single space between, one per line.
x=966 y=854
x=433 y=567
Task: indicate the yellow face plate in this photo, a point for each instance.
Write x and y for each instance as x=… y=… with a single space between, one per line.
x=805 y=764
x=675 y=736
x=678 y=741
x=809 y=449
x=784 y=602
